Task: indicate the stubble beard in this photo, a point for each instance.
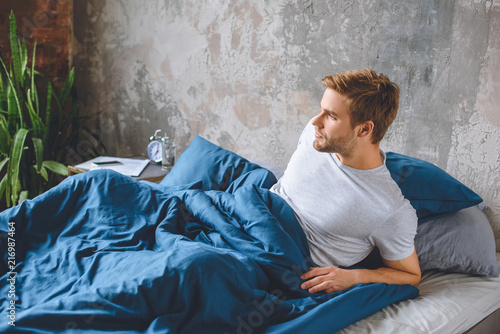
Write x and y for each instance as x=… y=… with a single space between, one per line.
x=343 y=146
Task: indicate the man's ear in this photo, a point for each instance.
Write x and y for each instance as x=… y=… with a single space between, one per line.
x=366 y=129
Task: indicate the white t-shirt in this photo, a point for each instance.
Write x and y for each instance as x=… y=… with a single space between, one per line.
x=346 y=212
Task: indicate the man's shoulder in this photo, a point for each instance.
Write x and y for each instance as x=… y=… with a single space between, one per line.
x=390 y=192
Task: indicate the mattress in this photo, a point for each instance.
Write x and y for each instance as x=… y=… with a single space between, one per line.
x=448 y=303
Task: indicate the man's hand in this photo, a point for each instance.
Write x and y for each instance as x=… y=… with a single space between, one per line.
x=328 y=279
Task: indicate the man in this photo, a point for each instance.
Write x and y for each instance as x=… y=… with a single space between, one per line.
x=341 y=191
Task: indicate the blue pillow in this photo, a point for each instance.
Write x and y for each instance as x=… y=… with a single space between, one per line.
x=431 y=191
x=216 y=168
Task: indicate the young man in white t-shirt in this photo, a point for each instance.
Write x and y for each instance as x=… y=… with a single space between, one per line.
x=341 y=191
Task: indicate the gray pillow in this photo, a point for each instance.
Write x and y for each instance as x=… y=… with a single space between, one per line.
x=276 y=170
x=461 y=242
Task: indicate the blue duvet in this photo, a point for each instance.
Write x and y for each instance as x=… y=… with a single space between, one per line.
x=102 y=252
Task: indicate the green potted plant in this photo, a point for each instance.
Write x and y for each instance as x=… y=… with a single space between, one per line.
x=35 y=122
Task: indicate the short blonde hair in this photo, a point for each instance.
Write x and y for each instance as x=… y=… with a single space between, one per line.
x=370 y=97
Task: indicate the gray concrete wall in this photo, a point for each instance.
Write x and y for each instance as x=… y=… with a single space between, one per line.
x=246 y=74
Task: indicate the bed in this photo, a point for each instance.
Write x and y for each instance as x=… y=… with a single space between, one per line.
x=448 y=303
x=208 y=250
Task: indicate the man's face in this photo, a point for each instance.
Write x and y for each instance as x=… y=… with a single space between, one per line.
x=334 y=133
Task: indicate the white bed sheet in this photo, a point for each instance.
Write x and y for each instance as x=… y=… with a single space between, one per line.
x=448 y=303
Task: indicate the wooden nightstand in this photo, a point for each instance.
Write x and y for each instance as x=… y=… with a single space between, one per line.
x=152 y=172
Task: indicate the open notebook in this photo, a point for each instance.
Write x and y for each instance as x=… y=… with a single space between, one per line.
x=125 y=166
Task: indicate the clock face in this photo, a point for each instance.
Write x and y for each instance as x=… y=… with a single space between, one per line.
x=154 y=151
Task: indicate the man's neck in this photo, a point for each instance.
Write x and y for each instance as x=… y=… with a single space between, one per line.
x=367 y=157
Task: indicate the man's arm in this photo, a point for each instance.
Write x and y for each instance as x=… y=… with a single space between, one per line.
x=330 y=279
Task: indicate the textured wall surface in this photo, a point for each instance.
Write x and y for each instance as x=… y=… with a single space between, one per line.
x=246 y=75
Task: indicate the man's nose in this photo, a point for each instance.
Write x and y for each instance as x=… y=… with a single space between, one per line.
x=317 y=121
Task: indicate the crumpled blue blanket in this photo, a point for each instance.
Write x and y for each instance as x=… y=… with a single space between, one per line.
x=102 y=252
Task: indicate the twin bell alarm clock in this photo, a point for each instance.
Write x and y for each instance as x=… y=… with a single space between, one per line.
x=162 y=150
x=155 y=147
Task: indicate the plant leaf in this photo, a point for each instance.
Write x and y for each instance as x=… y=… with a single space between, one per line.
x=56 y=167
x=16 y=153
x=4 y=136
x=66 y=88
x=24 y=58
x=34 y=93
x=4 y=161
x=36 y=121
x=15 y=53
x=48 y=116
x=40 y=75
x=7 y=189
x=36 y=100
x=22 y=196
x=12 y=113
x=3 y=183
x=38 y=145
x=12 y=97
x=3 y=186
x=16 y=189
x=43 y=172
x=4 y=89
